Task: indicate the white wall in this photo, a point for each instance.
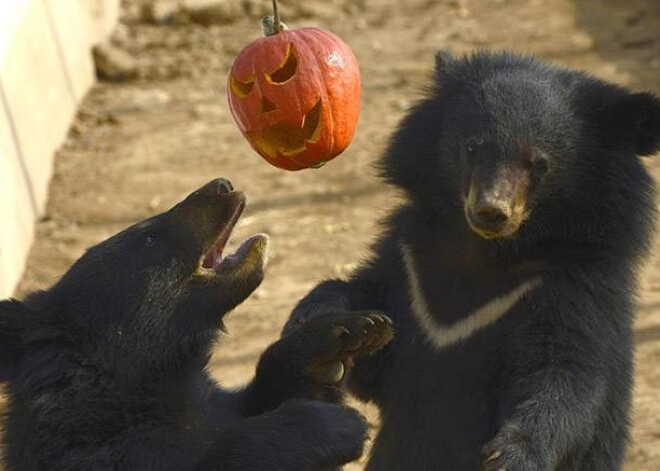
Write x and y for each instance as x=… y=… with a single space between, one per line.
x=45 y=70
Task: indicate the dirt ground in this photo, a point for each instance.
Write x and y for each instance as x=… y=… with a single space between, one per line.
x=139 y=146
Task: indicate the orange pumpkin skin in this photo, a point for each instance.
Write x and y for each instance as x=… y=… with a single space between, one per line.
x=295 y=96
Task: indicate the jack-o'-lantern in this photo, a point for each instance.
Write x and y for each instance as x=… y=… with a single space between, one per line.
x=295 y=95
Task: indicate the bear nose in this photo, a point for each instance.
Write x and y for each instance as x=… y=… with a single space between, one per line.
x=493 y=213
x=224 y=186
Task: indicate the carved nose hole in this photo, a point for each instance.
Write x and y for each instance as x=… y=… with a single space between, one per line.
x=287 y=70
x=267 y=105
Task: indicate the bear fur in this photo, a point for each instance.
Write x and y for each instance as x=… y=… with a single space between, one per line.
x=106 y=369
x=509 y=270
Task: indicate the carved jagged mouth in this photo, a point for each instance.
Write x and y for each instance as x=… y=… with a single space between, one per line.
x=288 y=139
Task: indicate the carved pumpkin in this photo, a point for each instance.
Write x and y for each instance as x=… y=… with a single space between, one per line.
x=295 y=96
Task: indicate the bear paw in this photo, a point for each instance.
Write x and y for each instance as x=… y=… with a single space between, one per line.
x=341 y=336
x=511 y=450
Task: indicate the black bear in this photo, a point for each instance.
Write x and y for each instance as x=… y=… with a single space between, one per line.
x=509 y=271
x=106 y=369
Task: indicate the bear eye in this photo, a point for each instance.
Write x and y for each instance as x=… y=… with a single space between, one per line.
x=540 y=167
x=150 y=240
x=473 y=144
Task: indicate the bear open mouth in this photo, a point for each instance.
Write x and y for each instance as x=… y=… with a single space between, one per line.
x=214 y=261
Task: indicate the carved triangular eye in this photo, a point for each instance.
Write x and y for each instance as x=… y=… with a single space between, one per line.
x=287 y=70
x=267 y=105
x=241 y=89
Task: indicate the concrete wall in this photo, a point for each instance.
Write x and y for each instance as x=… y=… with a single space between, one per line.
x=45 y=70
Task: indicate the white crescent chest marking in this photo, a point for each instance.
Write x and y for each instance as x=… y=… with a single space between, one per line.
x=441 y=336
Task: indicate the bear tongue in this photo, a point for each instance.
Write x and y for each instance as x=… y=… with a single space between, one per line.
x=232 y=260
x=214 y=257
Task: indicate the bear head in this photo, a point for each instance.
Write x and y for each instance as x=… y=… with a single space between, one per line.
x=516 y=145
x=147 y=301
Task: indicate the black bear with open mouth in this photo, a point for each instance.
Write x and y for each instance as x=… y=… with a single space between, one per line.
x=106 y=369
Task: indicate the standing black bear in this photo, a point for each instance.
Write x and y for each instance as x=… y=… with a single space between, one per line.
x=106 y=368
x=509 y=271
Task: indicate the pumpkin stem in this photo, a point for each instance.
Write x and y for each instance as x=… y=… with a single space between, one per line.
x=271 y=25
x=276 y=14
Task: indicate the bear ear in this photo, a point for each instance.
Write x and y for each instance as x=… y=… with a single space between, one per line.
x=13 y=319
x=633 y=121
x=443 y=58
x=443 y=61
